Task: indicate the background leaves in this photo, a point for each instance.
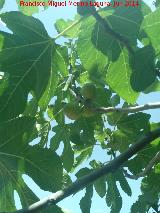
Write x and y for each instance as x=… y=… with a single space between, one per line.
x=2 y=3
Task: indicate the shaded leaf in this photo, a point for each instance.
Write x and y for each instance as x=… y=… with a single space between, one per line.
x=66 y=180
x=63 y=134
x=27 y=197
x=103 y=97
x=83 y=156
x=82 y=172
x=157 y=3
x=54 y=208
x=120 y=141
x=3 y=82
x=141 y=160
x=134 y=122
x=139 y=206
x=43 y=133
x=67 y=156
x=115 y=100
x=18 y=158
x=13 y=140
x=84 y=8
x=150 y=195
x=31 y=108
x=114 y=117
x=127 y=21
x=150 y=188
x=105 y=42
x=85 y=203
x=100 y=187
x=59 y=66
x=157 y=168
x=113 y=198
x=119 y=176
x=46 y=171
x=99 y=184
x=154 y=87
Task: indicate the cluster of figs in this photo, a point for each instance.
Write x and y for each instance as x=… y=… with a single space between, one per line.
x=74 y=110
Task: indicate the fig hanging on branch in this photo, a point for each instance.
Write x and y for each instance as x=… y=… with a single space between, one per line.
x=88 y=91
x=87 y=112
x=72 y=111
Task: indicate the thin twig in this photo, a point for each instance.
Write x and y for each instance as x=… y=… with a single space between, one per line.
x=76 y=95
x=147 y=169
x=134 y=109
x=93 y=176
x=68 y=82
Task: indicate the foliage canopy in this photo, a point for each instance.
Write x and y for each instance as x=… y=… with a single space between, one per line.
x=39 y=76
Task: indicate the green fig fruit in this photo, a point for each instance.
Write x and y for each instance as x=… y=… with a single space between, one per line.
x=72 y=111
x=87 y=112
x=88 y=91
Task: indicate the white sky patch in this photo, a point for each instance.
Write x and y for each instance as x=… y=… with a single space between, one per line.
x=2 y=23
x=1 y=75
x=99 y=210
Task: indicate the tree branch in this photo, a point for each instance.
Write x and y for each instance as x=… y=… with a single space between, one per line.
x=93 y=176
x=128 y=109
x=102 y=110
x=147 y=169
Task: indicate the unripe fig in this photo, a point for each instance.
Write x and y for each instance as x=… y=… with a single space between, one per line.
x=72 y=111
x=88 y=91
x=87 y=112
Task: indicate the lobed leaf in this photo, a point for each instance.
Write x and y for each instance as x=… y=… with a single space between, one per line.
x=26 y=57
x=118 y=78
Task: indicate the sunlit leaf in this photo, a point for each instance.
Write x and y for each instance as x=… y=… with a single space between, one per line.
x=118 y=77
x=26 y=57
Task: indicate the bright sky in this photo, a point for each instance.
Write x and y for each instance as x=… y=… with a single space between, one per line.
x=48 y=17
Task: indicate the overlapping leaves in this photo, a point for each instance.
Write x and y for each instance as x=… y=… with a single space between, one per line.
x=106 y=54
x=26 y=57
x=18 y=158
x=24 y=7
x=26 y=67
